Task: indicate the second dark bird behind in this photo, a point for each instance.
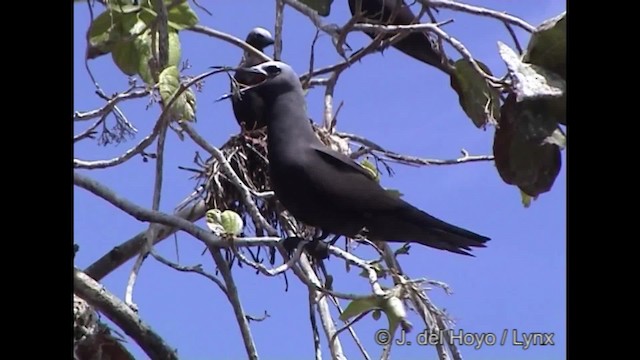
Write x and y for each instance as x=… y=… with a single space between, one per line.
x=248 y=110
x=416 y=44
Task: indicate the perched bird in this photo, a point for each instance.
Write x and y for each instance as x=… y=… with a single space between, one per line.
x=416 y=44
x=247 y=108
x=327 y=189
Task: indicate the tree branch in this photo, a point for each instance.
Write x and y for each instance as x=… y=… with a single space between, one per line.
x=129 y=248
x=230 y=39
x=448 y=4
x=104 y=301
x=109 y=106
x=234 y=298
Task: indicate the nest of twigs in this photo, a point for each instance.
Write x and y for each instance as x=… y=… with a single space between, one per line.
x=246 y=152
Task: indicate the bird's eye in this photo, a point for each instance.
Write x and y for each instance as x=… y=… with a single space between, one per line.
x=272 y=70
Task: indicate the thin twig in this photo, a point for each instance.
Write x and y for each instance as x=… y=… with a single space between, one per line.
x=434 y=28
x=230 y=39
x=108 y=107
x=101 y=164
x=104 y=301
x=122 y=253
x=363 y=351
x=516 y=42
x=90 y=132
x=143 y=214
x=194 y=269
x=314 y=326
x=195 y=2
x=453 y=5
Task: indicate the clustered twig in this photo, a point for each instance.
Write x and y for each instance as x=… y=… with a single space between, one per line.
x=162 y=225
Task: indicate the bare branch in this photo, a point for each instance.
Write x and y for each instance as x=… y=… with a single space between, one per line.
x=129 y=248
x=142 y=214
x=234 y=298
x=90 y=131
x=194 y=269
x=101 y=164
x=434 y=28
x=161 y=24
x=230 y=39
x=277 y=47
x=271 y=272
x=330 y=29
x=363 y=351
x=314 y=326
x=453 y=5
x=108 y=107
x=412 y=160
x=104 y=301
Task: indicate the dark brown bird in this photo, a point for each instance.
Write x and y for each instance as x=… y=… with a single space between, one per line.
x=247 y=108
x=327 y=189
x=416 y=44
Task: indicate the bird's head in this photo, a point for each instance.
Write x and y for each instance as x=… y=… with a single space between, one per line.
x=259 y=38
x=273 y=78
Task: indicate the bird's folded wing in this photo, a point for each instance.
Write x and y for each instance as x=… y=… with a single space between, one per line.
x=341 y=160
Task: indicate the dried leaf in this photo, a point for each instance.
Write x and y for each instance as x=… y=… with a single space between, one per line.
x=524 y=154
x=531 y=81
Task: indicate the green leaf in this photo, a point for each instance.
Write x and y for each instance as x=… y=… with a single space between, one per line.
x=531 y=81
x=357 y=307
x=372 y=169
x=322 y=7
x=213 y=219
x=183 y=108
x=143 y=44
x=224 y=222
x=231 y=222
x=125 y=55
x=548 y=45
x=174 y=49
x=479 y=101
x=100 y=33
x=181 y=16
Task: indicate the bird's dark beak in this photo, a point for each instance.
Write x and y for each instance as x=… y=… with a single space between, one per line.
x=256 y=71
x=270 y=42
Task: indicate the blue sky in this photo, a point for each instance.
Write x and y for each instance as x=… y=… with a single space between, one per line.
x=517 y=282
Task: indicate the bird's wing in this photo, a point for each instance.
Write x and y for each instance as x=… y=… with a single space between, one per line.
x=345 y=184
x=340 y=160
